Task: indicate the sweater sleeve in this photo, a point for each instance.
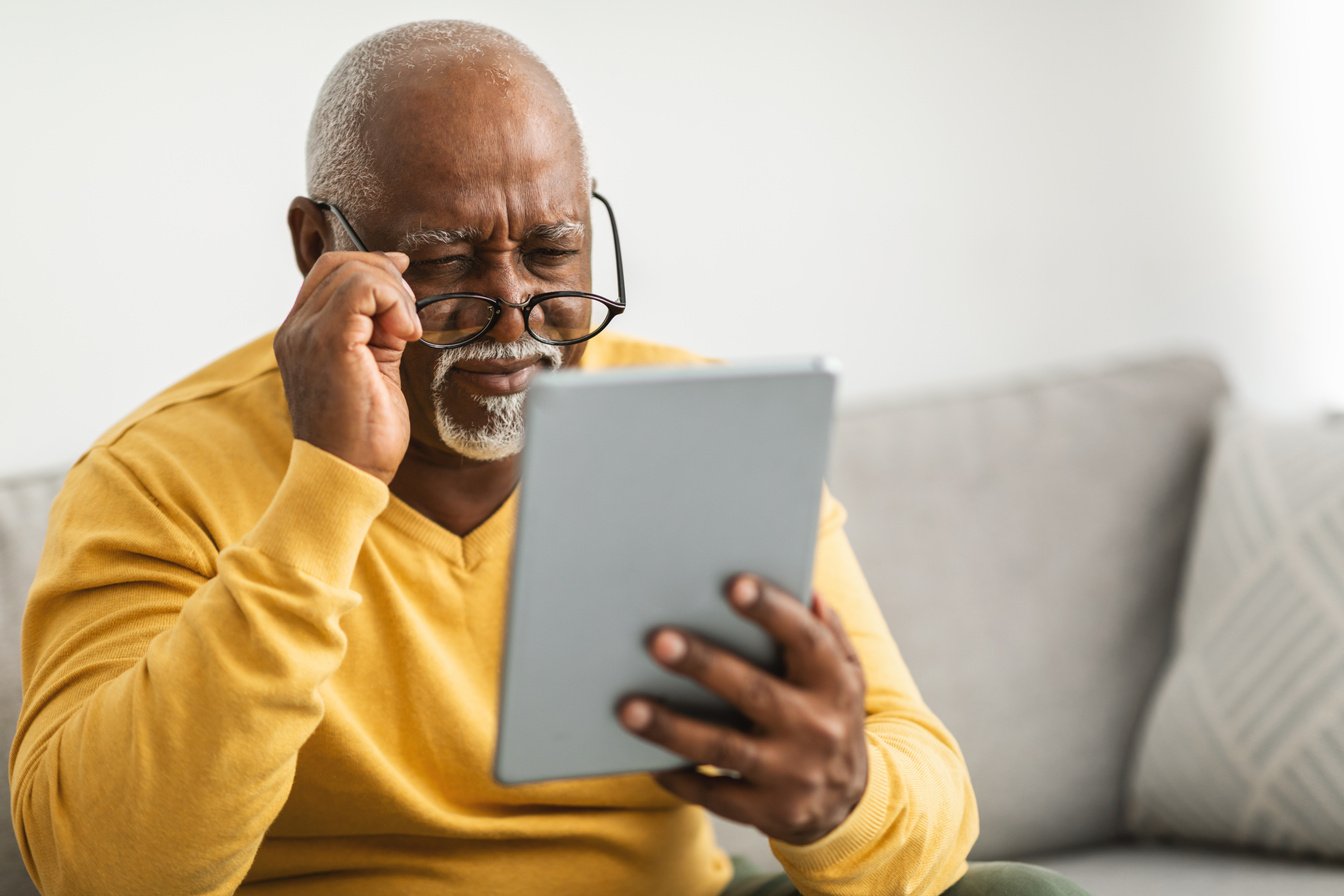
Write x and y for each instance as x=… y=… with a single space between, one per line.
x=917 y=820
x=169 y=686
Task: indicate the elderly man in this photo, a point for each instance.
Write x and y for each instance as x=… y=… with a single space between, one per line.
x=262 y=651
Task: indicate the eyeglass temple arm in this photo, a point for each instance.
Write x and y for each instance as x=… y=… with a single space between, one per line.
x=340 y=216
x=616 y=241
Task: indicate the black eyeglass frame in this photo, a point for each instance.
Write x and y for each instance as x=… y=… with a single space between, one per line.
x=498 y=305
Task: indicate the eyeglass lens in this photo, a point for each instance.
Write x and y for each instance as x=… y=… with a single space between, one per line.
x=558 y=319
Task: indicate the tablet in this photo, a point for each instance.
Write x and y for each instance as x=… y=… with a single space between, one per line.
x=643 y=491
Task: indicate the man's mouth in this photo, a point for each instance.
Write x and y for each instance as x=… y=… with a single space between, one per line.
x=497 y=377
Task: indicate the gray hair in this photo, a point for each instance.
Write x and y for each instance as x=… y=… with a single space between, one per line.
x=340 y=163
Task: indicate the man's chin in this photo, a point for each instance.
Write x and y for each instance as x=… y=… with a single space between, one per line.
x=492 y=428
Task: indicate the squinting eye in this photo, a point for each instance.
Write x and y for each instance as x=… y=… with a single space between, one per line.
x=553 y=256
x=445 y=266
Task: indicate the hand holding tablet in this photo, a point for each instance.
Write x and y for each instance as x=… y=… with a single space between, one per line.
x=803 y=765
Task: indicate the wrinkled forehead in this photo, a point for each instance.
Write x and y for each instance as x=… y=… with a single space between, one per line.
x=490 y=123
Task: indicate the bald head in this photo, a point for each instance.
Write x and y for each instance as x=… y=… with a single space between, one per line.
x=442 y=76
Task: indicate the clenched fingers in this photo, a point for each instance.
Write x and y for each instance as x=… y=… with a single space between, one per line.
x=366 y=284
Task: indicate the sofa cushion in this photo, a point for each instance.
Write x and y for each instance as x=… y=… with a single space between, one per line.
x=1026 y=544
x=24 y=503
x=1245 y=743
x=1131 y=870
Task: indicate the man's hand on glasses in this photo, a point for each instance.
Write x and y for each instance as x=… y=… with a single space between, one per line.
x=339 y=353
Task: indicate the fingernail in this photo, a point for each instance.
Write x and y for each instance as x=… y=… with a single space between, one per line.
x=745 y=593
x=636 y=714
x=669 y=647
x=406 y=286
x=818 y=608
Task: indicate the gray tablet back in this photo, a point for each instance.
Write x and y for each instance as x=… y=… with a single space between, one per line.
x=643 y=490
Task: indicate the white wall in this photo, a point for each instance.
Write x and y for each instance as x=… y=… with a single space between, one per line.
x=936 y=192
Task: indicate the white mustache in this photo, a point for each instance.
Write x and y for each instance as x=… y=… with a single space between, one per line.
x=489 y=350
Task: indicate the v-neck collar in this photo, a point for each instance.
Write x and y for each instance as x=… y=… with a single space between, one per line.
x=491 y=537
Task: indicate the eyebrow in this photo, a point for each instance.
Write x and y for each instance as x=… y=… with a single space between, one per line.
x=420 y=239
x=557 y=232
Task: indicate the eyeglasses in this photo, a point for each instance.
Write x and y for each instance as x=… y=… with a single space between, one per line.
x=555 y=318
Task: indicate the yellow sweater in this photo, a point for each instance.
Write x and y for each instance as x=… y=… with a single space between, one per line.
x=247 y=665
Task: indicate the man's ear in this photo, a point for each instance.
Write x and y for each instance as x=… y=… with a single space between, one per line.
x=309 y=230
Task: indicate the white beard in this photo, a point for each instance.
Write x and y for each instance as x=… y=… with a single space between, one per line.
x=501 y=435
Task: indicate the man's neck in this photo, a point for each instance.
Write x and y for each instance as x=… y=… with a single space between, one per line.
x=457 y=493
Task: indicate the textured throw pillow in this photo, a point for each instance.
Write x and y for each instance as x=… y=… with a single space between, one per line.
x=1244 y=743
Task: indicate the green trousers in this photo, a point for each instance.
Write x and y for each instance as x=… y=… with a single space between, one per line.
x=983 y=879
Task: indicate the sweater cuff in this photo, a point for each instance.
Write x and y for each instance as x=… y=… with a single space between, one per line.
x=862 y=828
x=320 y=515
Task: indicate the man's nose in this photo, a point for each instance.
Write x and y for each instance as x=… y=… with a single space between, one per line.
x=505 y=283
x=511 y=324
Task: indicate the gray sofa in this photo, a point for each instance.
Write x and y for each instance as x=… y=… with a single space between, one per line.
x=1027 y=545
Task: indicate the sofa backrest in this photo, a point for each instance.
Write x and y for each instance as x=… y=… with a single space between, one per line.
x=24 y=503
x=1026 y=545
